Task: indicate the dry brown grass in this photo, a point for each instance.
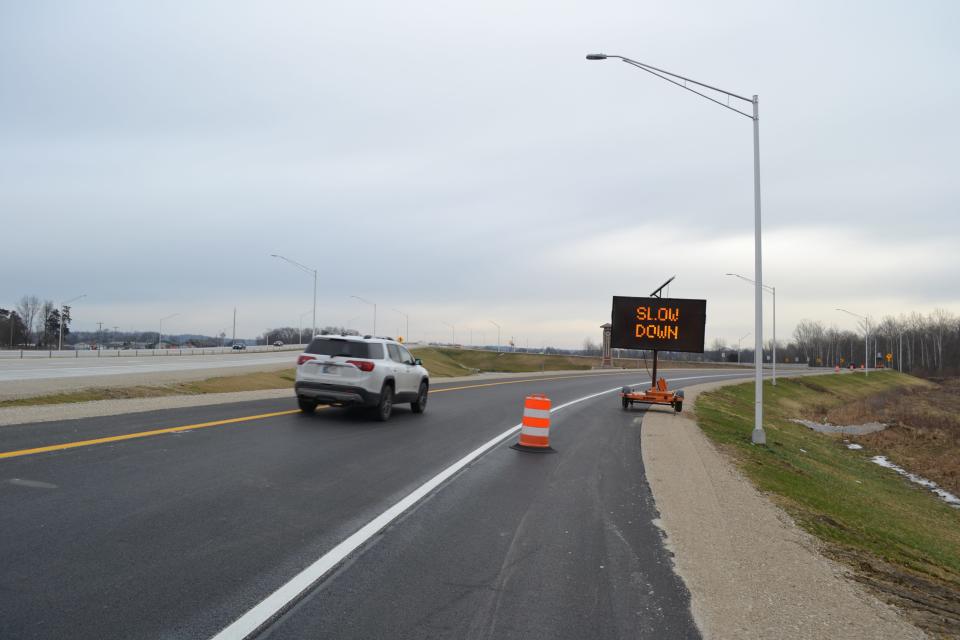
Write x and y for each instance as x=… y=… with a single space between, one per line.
x=924 y=435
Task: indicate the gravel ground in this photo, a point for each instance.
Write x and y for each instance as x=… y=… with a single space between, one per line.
x=751 y=572
x=847 y=430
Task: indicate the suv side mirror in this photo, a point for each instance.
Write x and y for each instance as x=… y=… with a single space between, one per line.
x=418 y=362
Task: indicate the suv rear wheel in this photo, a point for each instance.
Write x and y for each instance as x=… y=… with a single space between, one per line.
x=307 y=406
x=385 y=406
x=420 y=404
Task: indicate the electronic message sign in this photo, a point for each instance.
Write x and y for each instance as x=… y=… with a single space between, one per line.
x=665 y=324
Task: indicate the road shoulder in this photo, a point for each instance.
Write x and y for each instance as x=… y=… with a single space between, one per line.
x=751 y=572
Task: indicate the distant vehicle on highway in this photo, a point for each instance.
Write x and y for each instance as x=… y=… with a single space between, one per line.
x=278 y=343
x=354 y=371
x=239 y=346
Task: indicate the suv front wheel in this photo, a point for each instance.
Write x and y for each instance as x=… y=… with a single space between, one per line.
x=385 y=406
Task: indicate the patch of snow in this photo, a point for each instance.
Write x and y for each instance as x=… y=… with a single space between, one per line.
x=945 y=495
x=854 y=445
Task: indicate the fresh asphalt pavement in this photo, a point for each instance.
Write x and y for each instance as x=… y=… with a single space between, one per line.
x=178 y=535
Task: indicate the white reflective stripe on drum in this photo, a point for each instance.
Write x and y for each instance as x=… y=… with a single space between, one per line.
x=536 y=413
x=536 y=431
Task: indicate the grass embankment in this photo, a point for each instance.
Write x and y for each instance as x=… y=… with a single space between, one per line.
x=444 y=362
x=259 y=380
x=899 y=537
x=463 y=362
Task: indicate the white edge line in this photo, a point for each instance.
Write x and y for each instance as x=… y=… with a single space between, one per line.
x=270 y=606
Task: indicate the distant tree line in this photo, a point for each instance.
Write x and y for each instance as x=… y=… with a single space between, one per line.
x=921 y=344
x=33 y=324
x=293 y=335
x=924 y=344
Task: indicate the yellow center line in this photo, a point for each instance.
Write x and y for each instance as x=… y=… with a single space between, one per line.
x=261 y=416
x=142 y=434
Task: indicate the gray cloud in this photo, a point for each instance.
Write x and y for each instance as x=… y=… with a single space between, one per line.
x=464 y=160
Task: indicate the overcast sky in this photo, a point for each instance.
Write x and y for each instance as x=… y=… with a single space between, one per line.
x=463 y=162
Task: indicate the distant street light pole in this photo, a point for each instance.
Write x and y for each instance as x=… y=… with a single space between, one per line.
x=739 y=359
x=407 y=338
x=866 y=339
x=313 y=331
x=62 y=305
x=453 y=332
x=160 y=335
x=498 y=333
x=374 y=312
x=758 y=436
x=772 y=290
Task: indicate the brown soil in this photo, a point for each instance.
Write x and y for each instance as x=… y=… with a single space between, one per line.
x=931 y=605
x=924 y=436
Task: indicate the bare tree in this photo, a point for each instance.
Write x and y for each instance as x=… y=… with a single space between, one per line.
x=27 y=309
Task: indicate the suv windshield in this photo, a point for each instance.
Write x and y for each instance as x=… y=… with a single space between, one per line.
x=347 y=348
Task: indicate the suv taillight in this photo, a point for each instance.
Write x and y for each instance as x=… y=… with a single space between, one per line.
x=363 y=365
x=303 y=359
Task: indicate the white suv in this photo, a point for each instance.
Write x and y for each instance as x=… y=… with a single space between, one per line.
x=355 y=371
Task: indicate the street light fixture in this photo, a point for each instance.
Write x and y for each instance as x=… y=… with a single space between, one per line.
x=866 y=339
x=407 y=339
x=313 y=331
x=772 y=290
x=498 y=333
x=62 y=305
x=739 y=359
x=758 y=436
x=374 y=312
x=160 y=335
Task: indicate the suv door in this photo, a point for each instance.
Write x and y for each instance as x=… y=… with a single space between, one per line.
x=400 y=370
x=411 y=371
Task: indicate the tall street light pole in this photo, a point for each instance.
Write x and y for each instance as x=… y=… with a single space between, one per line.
x=772 y=290
x=62 y=305
x=498 y=333
x=374 y=312
x=866 y=339
x=407 y=339
x=758 y=436
x=160 y=335
x=313 y=331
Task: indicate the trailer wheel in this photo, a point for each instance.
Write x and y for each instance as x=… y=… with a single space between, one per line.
x=626 y=403
x=678 y=406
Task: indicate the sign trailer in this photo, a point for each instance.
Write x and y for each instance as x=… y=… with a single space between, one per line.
x=656 y=323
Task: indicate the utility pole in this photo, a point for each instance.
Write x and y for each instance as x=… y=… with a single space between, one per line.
x=234 y=339
x=99 y=333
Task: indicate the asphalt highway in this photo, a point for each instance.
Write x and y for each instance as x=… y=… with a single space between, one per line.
x=52 y=368
x=182 y=532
